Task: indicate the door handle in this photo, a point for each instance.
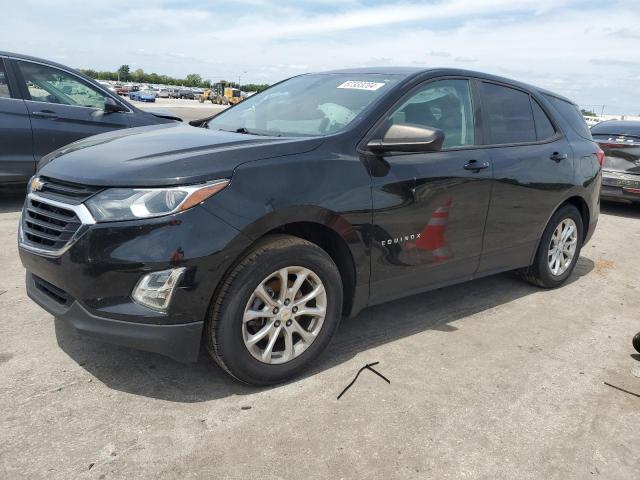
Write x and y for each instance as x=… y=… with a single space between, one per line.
x=557 y=156
x=476 y=166
x=45 y=114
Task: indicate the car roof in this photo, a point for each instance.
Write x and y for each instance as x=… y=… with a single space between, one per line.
x=617 y=127
x=621 y=123
x=21 y=56
x=439 y=71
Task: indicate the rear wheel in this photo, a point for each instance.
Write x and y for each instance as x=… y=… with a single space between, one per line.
x=276 y=311
x=559 y=249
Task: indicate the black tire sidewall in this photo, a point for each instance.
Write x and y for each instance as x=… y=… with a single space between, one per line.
x=230 y=344
x=550 y=280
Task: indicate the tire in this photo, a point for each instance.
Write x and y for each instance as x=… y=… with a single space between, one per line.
x=227 y=334
x=636 y=342
x=540 y=272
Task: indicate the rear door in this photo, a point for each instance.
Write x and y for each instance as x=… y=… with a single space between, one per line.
x=16 y=148
x=429 y=209
x=63 y=107
x=533 y=166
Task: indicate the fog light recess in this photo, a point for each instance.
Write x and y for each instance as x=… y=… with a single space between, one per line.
x=155 y=289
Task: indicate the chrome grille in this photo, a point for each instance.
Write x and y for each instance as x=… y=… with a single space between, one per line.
x=47 y=226
x=66 y=192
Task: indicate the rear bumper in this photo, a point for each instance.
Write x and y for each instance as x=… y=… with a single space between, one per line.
x=180 y=342
x=619 y=194
x=620 y=187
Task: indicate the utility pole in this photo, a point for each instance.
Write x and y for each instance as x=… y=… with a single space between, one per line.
x=239 y=76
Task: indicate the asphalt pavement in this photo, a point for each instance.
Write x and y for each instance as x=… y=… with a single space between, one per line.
x=491 y=379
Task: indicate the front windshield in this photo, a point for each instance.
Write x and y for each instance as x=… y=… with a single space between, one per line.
x=308 y=105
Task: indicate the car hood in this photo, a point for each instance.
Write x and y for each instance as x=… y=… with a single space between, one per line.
x=162 y=155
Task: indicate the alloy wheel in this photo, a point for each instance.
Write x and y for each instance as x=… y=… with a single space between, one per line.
x=562 y=247
x=284 y=315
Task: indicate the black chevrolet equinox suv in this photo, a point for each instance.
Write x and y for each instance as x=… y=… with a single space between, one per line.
x=255 y=231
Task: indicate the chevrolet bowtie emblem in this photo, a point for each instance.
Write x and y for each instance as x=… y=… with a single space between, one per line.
x=36 y=184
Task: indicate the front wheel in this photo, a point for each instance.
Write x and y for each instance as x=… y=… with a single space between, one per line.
x=276 y=311
x=559 y=249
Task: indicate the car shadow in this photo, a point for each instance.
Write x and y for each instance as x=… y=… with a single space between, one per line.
x=11 y=199
x=152 y=375
x=618 y=209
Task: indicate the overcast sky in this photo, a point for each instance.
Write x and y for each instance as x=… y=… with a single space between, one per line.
x=586 y=50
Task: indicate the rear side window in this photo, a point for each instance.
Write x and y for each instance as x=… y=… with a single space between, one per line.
x=4 y=82
x=544 y=127
x=571 y=115
x=509 y=115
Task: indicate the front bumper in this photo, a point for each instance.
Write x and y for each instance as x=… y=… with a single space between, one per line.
x=90 y=282
x=620 y=186
x=180 y=342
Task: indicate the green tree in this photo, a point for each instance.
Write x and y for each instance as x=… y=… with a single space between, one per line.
x=254 y=87
x=138 y=75
x=123 y=72
x=587 y=113
x=193 y=80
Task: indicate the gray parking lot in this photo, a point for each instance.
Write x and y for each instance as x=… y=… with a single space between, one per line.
x=489 y=379
x=186 y=109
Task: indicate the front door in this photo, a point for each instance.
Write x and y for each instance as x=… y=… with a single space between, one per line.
x=63 y=107
x=429 y=209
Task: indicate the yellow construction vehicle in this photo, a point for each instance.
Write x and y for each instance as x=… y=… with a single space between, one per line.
x=221 y=94
x=232 y=95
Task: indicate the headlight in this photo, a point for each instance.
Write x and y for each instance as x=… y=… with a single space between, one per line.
x=130 y=203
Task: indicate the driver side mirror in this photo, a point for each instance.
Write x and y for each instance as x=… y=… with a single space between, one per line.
x=408 y=138
x=111 y=106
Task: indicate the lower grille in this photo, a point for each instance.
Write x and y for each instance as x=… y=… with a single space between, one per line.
x=47 y=226
x=54 y=293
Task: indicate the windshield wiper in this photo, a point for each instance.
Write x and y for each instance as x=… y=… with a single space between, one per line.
x=246 y=131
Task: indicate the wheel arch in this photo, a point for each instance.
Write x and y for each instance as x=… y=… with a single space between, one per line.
x=331 y=232
x=577 y=201
x=332 y=243
x=582 y=206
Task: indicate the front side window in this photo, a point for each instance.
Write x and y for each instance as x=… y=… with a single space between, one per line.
x=4 y=82
x=50 y=85
x=444 y=105
x=509 y=115
x=308 y=105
